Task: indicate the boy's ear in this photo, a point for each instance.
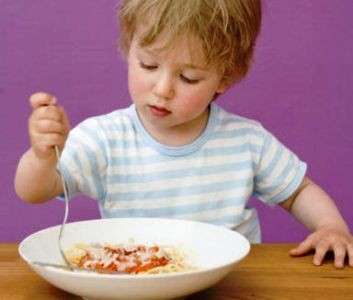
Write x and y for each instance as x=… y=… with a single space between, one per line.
x=222 y=87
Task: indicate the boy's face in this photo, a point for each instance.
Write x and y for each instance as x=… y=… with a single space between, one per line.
x=172 y=87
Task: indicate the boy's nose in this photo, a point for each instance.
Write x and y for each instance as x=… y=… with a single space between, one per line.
x=164 y=87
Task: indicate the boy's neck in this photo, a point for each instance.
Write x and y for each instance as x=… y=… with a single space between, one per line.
x=180 y=135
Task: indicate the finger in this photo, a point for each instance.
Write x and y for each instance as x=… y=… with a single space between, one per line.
x=49 y=126
x=65 y=120
x=48 y=140
x=39 y=99
x=48 y=112
x=320 y=252
x=302 y=248
x=340 y=254
x=350 y=254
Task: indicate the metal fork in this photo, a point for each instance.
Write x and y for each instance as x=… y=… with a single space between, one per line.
x=66 y=210
x=67 y=265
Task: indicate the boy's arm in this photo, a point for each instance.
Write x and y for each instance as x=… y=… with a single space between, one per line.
x=317 y=211
x=37 y=180
x=36 y=177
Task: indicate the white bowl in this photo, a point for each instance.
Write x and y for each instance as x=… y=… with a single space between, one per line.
x=214 y=250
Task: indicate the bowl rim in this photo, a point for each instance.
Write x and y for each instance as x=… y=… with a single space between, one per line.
x=140 y=276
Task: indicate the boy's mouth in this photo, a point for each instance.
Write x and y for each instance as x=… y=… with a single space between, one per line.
x=159 y=111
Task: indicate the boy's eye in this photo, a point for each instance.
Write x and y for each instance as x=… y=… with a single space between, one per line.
x=183 y=78
x=147 y=67
x=188 y=80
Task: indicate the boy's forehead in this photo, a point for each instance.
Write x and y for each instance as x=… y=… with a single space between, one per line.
x=185 y=48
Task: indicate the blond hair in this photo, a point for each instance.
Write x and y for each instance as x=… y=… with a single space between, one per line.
x=227 y=29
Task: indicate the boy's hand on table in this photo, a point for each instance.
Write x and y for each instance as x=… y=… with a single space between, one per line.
x=328 y=238
x=48 y=126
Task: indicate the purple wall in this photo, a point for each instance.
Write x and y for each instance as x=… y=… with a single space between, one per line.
x=299 y=87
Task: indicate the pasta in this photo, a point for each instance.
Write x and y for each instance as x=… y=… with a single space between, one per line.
x=127 y=258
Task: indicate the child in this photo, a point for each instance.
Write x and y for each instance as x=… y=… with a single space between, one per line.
x=174 y=153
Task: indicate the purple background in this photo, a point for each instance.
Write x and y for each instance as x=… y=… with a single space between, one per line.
x=300 y=88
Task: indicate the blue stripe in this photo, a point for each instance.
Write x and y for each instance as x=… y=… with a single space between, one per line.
x=225 y=219
x=238 y=133
x=267 y=171
x=237 y=119
x=279 y=180
x=233 y=219
x=185 y=192
x=92 y=161
x=98 y=180
x=93 y=134
x=209 y=153
x=183 y=209
x=288 y=190
x=70 y=182
x=218 y=135
x=173 y=174
x=287 y=169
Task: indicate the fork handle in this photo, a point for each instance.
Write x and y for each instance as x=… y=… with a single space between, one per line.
x=66 y=209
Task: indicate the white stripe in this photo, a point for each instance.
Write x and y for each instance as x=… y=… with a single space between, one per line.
x=184 y=182
x=86 y=140
x=284 y=184
x=268 y=156
x=87 y=144
x=227 y=117
x=275 y=172
x=234 y=141
x=72 y=166
x=143 y=151
x=240 y=124
x=119 y=119
x=86 y=169
x=254 y=139
x=119 y=135
x=213 y=214
x=179 y=200
x=175 y=164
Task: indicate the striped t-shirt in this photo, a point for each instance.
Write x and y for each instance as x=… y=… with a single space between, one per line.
x=113 y=159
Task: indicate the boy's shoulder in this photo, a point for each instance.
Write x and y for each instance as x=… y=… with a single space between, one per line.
x=233 y=121
x=115 y=119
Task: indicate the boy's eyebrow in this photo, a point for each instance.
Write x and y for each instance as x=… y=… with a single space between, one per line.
x=150 y=51
x=191 y=66
x=186 y=65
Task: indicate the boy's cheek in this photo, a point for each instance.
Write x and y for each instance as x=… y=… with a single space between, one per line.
x=191 y=104
x=137 y=83
x=198 y=98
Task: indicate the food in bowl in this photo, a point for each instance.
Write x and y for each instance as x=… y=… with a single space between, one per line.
x=213 y=250
x=128 y=258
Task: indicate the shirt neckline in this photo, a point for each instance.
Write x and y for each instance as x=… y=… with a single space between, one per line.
x=176 y=150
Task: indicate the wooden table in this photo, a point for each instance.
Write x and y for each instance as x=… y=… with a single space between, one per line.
x=268 y=272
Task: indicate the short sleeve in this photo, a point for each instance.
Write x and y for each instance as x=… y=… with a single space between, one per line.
x=278 y=171
x=83 y=162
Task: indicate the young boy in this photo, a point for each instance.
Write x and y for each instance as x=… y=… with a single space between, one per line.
x=174 y=153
